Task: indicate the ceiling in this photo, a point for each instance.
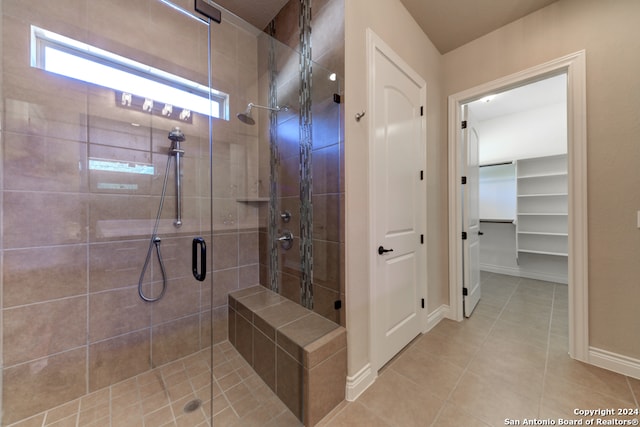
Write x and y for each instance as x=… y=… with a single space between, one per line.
x=452 y=23
x=539 y=94
x=256 y=12
x=448 y=23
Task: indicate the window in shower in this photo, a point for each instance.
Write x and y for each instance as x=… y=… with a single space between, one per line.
x=130 y=79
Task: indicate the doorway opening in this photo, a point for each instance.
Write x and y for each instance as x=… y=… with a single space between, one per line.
x=517 y=176
x=572 y=66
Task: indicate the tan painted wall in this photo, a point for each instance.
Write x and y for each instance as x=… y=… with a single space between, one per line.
x=390 y=21
x=610 y=34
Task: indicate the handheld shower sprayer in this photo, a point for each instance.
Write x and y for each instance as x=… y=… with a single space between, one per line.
x=247 y=118
x=177 y=136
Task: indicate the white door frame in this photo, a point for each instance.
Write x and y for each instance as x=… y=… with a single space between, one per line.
x=375 y=43
x=574 y=65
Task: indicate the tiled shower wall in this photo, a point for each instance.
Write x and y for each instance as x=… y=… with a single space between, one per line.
x=327 y=40
x=72 y=248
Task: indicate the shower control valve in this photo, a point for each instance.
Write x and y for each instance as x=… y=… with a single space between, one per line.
x=285 y=216
x=286 y=240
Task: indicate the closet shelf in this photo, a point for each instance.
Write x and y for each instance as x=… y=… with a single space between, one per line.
x=542 y=175
x=542 y=209
x=544 y=195
x=527 y=251
x=544 y=233
x=542 y=214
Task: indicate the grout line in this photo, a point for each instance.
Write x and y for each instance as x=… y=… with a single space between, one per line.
x=546 y=359
x=473 y=357
x=635 y=399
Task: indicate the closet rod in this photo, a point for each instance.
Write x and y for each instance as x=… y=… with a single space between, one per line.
x=498 y=221
x=497 y=164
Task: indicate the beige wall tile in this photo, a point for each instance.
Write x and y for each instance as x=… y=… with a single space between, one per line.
x=248 y=245
x=37 y=219
x=218 y=331
x=36 y=163
x=182 y=298
x=324 y=300
x=33 y=387
x=225 y=251
x=326 y=170
x=57 y=325
x=264 y=359
x=226 y=281
x=244 y=338
x=117 y=312
x=248 y=275
x=324 y=387
x=175 y=339
x=326 y=217
x=289 y=374
x=41 y=274
x=116 y=264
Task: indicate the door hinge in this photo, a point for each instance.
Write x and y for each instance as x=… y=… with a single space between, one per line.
x=464 y=235
x=337 y=98
x=422 y=239
x=464 y=124
x=463 y=180
x=422 y=110
x=422 y=303
x=465 y=292
x=421 y=175
x=337 y=304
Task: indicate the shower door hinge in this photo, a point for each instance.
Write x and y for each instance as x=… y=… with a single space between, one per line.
x=464 y=180
x=464 y=235
x=464 y=124
x=337 y=98
x=465 y=292
x=337 y=304
x=421 y=175
x=422 y=110
x=422 y=239
x=422 y=303
x=208 y=10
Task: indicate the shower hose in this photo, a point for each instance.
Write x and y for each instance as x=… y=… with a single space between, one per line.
x=154 y=242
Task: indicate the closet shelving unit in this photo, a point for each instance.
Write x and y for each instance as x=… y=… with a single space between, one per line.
x=542 y=206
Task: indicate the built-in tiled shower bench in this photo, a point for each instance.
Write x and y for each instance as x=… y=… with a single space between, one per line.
x=301 y=355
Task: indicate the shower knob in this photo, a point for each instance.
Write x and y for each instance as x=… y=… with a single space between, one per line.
x=285 y=216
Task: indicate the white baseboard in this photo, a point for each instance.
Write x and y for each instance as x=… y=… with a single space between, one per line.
x=359 y=382
x=510 y=271
x=615 y=362
x=436 y=316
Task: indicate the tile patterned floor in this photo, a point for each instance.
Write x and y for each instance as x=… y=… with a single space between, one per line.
x=506 y=363
x=158 y=398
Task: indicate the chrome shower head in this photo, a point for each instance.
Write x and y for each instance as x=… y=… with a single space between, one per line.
x=176 y=134
x=247 y=118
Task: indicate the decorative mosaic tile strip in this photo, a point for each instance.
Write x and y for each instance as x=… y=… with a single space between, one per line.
x=306 y=146
x=273 y=165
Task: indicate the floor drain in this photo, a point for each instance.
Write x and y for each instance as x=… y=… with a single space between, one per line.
x=192 y=405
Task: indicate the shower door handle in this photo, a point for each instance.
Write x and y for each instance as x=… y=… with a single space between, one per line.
x=199 y=241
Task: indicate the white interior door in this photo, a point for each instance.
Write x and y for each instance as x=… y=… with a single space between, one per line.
x=470 y=212
x=399 y=198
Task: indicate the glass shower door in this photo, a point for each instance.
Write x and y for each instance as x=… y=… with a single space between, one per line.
x=106 y=304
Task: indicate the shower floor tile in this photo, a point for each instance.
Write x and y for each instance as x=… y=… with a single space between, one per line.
x=178 y=394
